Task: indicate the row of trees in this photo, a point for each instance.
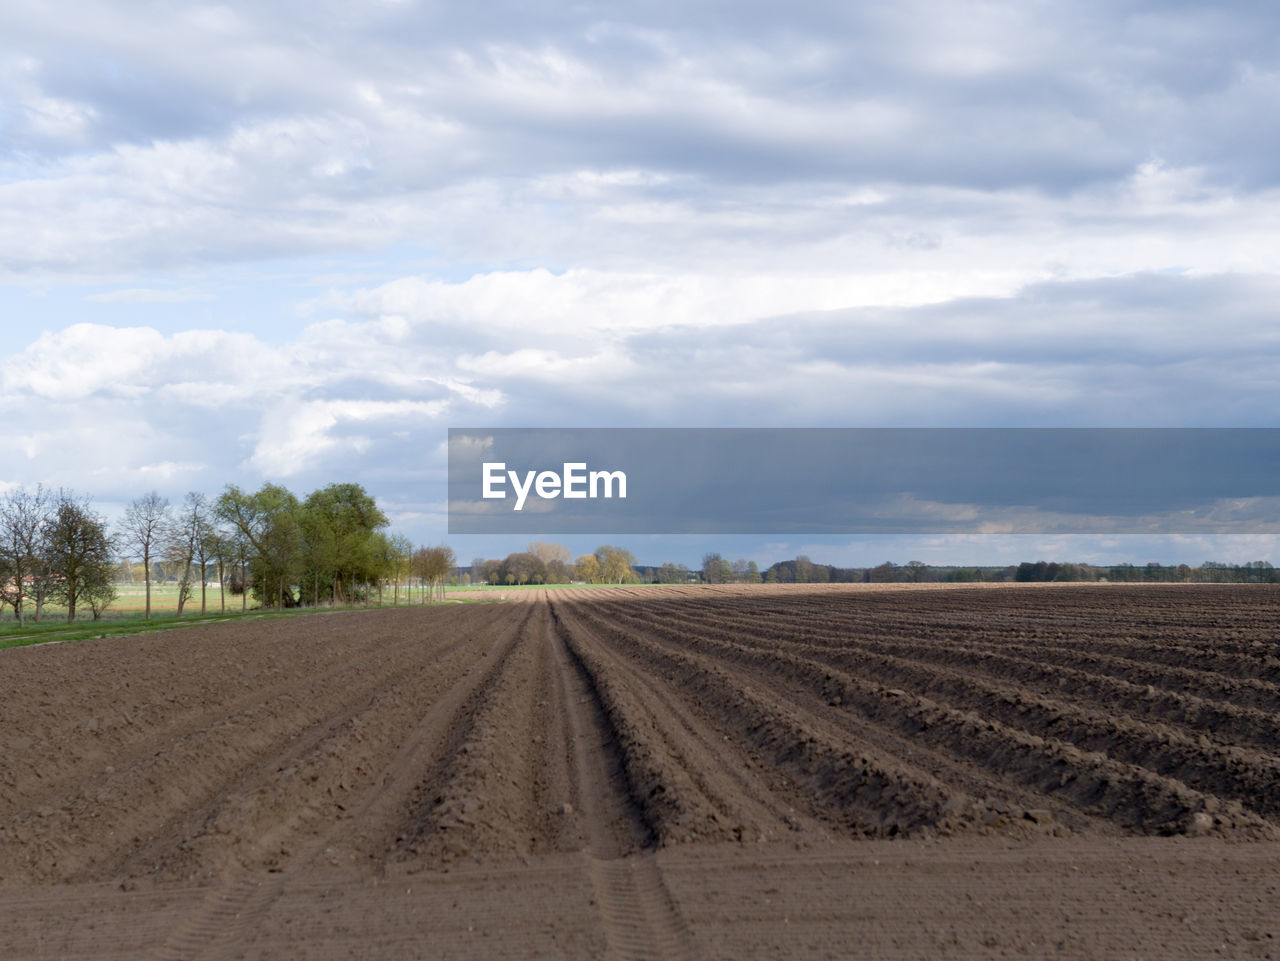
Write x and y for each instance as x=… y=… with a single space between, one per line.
x=333 y=547
x=720 y=570
x=549 y=564
x=802 y=570
x=330 y=547
x=544 y=563
x=1210 y=572
x=53 y=547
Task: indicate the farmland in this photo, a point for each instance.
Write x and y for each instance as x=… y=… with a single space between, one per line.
x=1073 y=771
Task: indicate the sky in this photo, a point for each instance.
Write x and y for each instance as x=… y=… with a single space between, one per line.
x=297 y=242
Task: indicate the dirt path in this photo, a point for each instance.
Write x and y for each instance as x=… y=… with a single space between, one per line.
x=656 y=774
x=640 y=918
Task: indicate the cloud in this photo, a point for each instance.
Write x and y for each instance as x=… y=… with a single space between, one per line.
x=164 y=473
x=1088 y=138
x=85 y=360
x=206 y=407
x=656 y=213
x=299 y=436
x=143 y=295
x=373 y=391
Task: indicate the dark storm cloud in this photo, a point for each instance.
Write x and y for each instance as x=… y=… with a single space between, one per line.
x=842 y=480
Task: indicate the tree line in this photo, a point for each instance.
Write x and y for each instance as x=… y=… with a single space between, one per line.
x=802 y=570
x=549 y=563
x=1210 y=572
x=54 y=547
x=331 y=547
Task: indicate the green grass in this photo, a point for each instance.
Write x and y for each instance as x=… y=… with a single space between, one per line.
x=164 y=617
x=13 y=635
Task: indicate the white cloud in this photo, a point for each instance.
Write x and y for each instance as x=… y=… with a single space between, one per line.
x=580 y=301
x=297 y=436
x=144 y=295
x=163 y=473
x=84 y=360
x=874 y=210
x=58 y=119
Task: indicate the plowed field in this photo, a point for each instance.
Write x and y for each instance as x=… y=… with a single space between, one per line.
x=799 y=772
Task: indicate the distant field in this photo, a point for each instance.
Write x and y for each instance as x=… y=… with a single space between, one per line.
x=132 y=600
x=165 y=599
x=126 y=615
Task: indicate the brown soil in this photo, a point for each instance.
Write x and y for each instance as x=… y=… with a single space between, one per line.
x=804 y=772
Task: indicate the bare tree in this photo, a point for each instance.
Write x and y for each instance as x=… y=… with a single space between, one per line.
x=556 y=568
x=186 y=545
x=712 y=568
x=206 y=542
x=220 y=548
x=434 y=564
x=23 y=516
x=548 y=552
x=239 y=555
x=145 y=523
x=419 y=566
x=401 y=555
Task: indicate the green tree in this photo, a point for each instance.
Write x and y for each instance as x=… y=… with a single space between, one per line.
x=339 y=524
x=524 y=568
x=270 y=523
x=99 y=592
x=491 y=572
x=884 y=573
x=916 y=571
x=587 y=569
x=79 y=552
x=617 y=564
x=804 y=569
